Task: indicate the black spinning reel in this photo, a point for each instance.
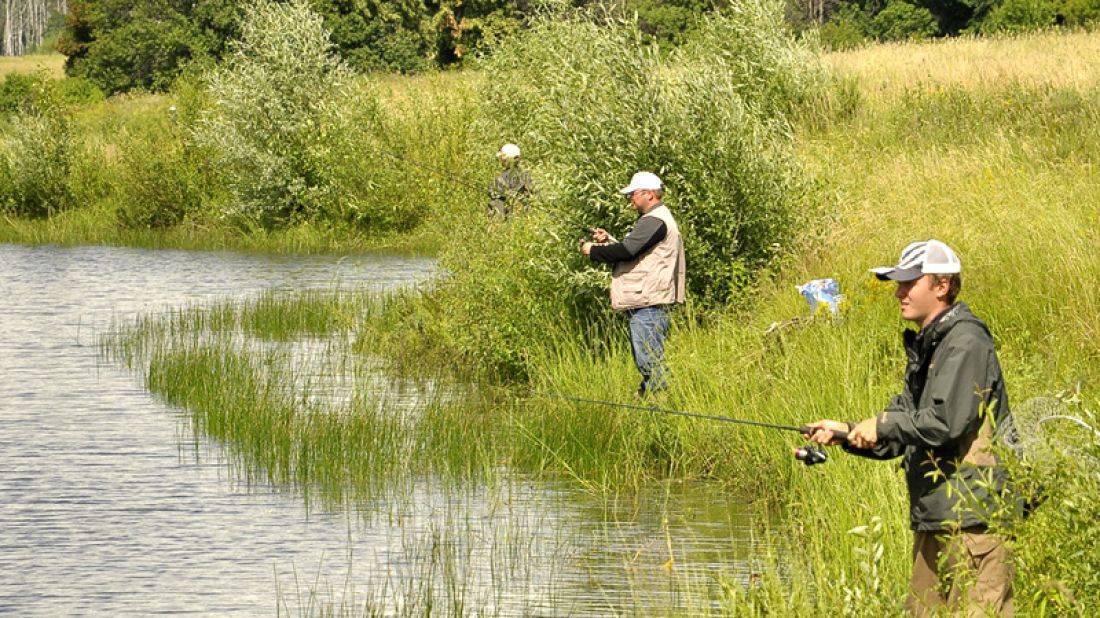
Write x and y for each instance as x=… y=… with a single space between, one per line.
x=811 y=455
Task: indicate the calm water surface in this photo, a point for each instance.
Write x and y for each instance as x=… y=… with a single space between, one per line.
x=108 y=506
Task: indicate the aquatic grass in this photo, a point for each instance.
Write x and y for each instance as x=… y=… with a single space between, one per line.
x=275 y=437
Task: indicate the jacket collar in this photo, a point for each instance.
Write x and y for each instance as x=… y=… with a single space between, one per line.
x=917 y=343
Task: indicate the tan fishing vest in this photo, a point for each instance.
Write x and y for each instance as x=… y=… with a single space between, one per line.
x=656 y=277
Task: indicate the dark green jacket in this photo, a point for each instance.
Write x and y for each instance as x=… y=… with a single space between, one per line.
x=943 y=424
x=509 y=191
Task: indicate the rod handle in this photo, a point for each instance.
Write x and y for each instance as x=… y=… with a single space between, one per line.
x=838 y=435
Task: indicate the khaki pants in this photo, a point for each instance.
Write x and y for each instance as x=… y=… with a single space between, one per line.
x=973 y=577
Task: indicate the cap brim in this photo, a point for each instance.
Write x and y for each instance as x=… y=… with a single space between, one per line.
x=629 y=190
x=891 y=273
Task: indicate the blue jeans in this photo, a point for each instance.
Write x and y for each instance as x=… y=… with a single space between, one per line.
x=648 y=329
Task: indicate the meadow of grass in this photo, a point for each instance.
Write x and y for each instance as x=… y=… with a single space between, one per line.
x=967 y=144
x=52 y=64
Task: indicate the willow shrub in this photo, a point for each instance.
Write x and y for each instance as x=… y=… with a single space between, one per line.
x=35 y=161
x=290 y=124
x=591 y=102
x=161 y=178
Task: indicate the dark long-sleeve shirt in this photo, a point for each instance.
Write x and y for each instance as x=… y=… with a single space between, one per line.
x=647 y=232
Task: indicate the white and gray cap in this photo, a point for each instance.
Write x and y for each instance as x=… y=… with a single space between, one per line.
x=643 y=181
x=925 y=257
x=509 y=151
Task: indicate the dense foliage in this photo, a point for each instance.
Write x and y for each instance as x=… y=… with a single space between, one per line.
x=37 y=154
x=710 y=118
x=848 y=24
x=281 y=135
x=122 y=44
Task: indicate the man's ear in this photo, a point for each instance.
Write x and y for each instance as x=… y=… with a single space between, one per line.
x=941 y=286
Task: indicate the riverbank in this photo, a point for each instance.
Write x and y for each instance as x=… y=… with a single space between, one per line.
x=1000 y=165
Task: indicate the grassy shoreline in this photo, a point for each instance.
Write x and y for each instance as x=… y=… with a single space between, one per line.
x=1002 y=166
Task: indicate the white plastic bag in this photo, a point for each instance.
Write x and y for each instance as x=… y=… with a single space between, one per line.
x=821 y=292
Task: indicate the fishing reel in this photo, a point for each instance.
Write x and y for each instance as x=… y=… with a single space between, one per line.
x=811 y=455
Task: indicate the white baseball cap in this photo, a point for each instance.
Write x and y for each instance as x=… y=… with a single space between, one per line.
x=509 y=151
x=926 y=257
x=642 y=181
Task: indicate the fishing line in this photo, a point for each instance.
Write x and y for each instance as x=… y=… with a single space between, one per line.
x=810 y=454
x=427 y=168
x=709 y=417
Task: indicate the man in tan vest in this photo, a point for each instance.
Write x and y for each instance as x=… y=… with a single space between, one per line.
x=648 y=275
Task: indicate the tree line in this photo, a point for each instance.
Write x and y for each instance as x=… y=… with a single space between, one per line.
x=25 y=23
x=845 y=24
x=121 y=45
x=125 y=44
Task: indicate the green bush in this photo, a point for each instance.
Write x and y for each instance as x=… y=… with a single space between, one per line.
x=26 y=92
x=849 y=27
x=1080 y=12
x=20 y=92
x=591 y=103
x=1055 y=552
x=901 y=21
x=76 y=91
x=121 y=45
x=667 y=22
x=1019 y=16
x=35 y=164
x=161 y=179
x=289 y=126
x=393 y=52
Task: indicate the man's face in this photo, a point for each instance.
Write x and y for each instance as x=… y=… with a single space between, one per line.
x=922 y=299
x=641 y=199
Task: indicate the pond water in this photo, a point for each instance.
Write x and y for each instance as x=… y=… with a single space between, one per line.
x=108 y=505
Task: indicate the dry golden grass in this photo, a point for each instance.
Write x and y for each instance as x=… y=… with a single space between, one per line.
x=402 y=93
x=1059 y=59
x=52 y=64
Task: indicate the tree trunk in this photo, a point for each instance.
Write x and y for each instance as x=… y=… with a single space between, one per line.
x=25 y=23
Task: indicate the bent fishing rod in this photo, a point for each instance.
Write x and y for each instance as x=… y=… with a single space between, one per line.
x=810 y=454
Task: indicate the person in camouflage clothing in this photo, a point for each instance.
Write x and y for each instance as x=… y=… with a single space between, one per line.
x=512 y=188
x=943 y=426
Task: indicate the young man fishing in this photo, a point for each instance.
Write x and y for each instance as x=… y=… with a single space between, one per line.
x=648 y=275
x=942 y=425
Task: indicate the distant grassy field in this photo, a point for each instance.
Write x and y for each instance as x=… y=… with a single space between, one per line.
x=1050 y=59
x=52 y=64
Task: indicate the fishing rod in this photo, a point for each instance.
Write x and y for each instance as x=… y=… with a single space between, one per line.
x=461 y=181
x=811 y=454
